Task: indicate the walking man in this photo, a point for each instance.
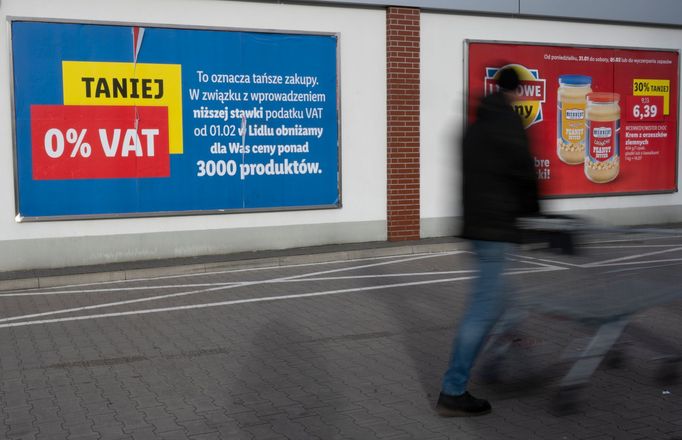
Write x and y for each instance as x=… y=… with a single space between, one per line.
x=499 y=186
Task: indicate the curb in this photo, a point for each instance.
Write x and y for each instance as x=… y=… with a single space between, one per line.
x=137 y=273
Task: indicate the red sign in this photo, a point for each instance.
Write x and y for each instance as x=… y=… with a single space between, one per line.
x=601 y=121
x=99 y=142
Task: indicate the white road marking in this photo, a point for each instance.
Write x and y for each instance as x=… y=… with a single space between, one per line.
x=213 y=289
x=631 y=257
x=179 y=286
x=629 y=269
x=247 y=269
x=536 y=270
x=634 y=246
x=416 y=274
x=623 y=240
x=243 y=301
x=240 y=283
x=535 y=260
x=117 y=289
x=606 y=262
x=631 y=263
x=386 y=275
x=545 y=265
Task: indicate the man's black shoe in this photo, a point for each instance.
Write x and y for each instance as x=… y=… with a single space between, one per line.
x=465 y=405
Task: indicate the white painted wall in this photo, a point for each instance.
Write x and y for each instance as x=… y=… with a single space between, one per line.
x=363 y=112
x=363 y=109
x=442 y=119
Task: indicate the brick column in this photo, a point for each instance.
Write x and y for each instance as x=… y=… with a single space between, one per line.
x=403 y=70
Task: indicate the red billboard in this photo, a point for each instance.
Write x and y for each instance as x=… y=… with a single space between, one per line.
x=602 y=121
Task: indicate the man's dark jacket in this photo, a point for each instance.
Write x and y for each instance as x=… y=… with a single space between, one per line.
x=499 y=179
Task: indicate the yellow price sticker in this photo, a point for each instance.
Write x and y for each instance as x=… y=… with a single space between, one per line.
x=653 y=87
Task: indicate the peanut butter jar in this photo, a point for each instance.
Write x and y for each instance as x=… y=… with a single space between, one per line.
x=571 y=104
x=602 y=144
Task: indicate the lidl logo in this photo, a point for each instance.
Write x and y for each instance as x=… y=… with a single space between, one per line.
x=530 y=94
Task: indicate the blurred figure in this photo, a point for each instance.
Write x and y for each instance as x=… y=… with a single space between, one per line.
x=499 y=186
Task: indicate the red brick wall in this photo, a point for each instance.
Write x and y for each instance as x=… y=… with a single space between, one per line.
x=402 y=62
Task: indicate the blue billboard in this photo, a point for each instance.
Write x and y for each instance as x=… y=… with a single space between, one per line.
x=114 y=120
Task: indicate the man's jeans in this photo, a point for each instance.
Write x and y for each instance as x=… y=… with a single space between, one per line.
x=487 y=302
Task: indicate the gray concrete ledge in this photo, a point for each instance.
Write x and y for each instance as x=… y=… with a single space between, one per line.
x=59 y=252
x=32 y=279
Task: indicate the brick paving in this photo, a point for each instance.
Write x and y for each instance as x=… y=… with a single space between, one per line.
x=348 y=349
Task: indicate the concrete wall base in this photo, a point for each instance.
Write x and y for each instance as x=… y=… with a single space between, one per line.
x=659 y=215
x=52 y=253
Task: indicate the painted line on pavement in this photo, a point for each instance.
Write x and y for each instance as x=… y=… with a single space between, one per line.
x=628 y=269
x=239 y=301
x=536 y=260
x=634 y=246
x=117 y=289
x=240 y=283
x=631 y=257
x=213 y=289
x=632 y=263
x=247 y=269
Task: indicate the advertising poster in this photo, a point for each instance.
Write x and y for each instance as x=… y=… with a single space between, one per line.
x=602 y=121
x=115 y=120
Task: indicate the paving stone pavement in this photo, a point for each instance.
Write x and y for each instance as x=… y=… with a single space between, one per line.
x=319 y=347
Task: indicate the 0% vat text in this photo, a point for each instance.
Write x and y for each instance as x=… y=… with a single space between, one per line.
x=55 y=142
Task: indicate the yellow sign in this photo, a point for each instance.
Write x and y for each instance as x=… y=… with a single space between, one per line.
x=103 y=83
x=529 y=95
x=653 y=87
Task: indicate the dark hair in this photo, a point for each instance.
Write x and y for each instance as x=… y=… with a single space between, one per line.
x=508 y=79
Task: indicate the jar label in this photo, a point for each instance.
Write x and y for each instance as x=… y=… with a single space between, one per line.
x=602 y=140
x=571 y=127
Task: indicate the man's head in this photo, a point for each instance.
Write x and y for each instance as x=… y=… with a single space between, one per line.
x=508 y=79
